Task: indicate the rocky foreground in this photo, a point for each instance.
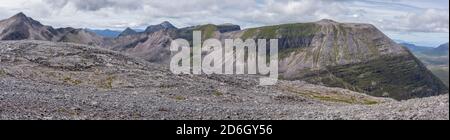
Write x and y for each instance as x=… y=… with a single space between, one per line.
x=45 y=80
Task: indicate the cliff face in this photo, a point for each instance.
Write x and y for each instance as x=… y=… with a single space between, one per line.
x=352 y=56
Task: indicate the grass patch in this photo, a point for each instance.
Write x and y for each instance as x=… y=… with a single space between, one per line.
x=332 y=97
x=2 y=72
x=208 y=31
x=217 y=93
x=286 y=31
x=179 y=98
x=107 y=83
x=69 y=80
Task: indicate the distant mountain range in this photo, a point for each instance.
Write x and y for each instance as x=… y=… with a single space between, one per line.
x=106 y=33
x=441 y=50
x=353 y=56
x=436 y=59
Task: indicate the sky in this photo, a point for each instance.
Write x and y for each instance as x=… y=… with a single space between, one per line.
x=424 y=22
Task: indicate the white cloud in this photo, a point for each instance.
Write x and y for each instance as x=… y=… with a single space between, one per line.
x=389 y=15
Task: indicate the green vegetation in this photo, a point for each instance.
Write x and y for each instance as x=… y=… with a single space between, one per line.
x=285 y=31
x=69 y=80
x=179 y=98
x=107 y=83
x=399 y=77
x=217 y=93
x=208 y=31
x=333 y=97
x=2 y=72
x=442 y=72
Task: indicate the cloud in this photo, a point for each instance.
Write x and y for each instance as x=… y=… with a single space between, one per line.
x=388 y=15
x=431 y=20
x=95 y=5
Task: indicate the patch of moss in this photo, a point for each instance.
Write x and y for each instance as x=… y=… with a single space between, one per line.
x=442 y=73
x=217 y=93
x=285 y=31
x=69 y=80
x=208 y=31
x=179 y=98
x=249 y=33
x=107 y=83
x=333 y=97
x=2 y=72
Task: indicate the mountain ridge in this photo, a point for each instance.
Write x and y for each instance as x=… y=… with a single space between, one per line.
x=353 y=56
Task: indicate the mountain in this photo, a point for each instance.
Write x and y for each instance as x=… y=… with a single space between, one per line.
x=21 y=27
x=154 y=45
x=348 y=55
x=414 y=48
x=441 y=50
x=163 y=26
x=127 y=31
x=353 y=56
x=82 y=36
x=43 y=80
x=106 y=33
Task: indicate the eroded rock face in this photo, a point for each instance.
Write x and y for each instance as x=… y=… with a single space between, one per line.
x=47 y=80
x=353 y=56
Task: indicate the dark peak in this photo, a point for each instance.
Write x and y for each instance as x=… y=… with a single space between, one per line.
x=20 y=16
x=167 y=25
x=228 y=27
x=127 y=31
x=443 y=47
x=162 y=26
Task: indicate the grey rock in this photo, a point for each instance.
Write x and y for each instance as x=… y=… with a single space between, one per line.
x=136 y=89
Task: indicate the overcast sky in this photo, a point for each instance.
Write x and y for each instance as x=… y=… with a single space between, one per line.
x=425 y=22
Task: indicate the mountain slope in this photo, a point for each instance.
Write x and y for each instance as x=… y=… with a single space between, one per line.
x=127 y=31
x=21 y=27
x=442 y=50
x=353 y=56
